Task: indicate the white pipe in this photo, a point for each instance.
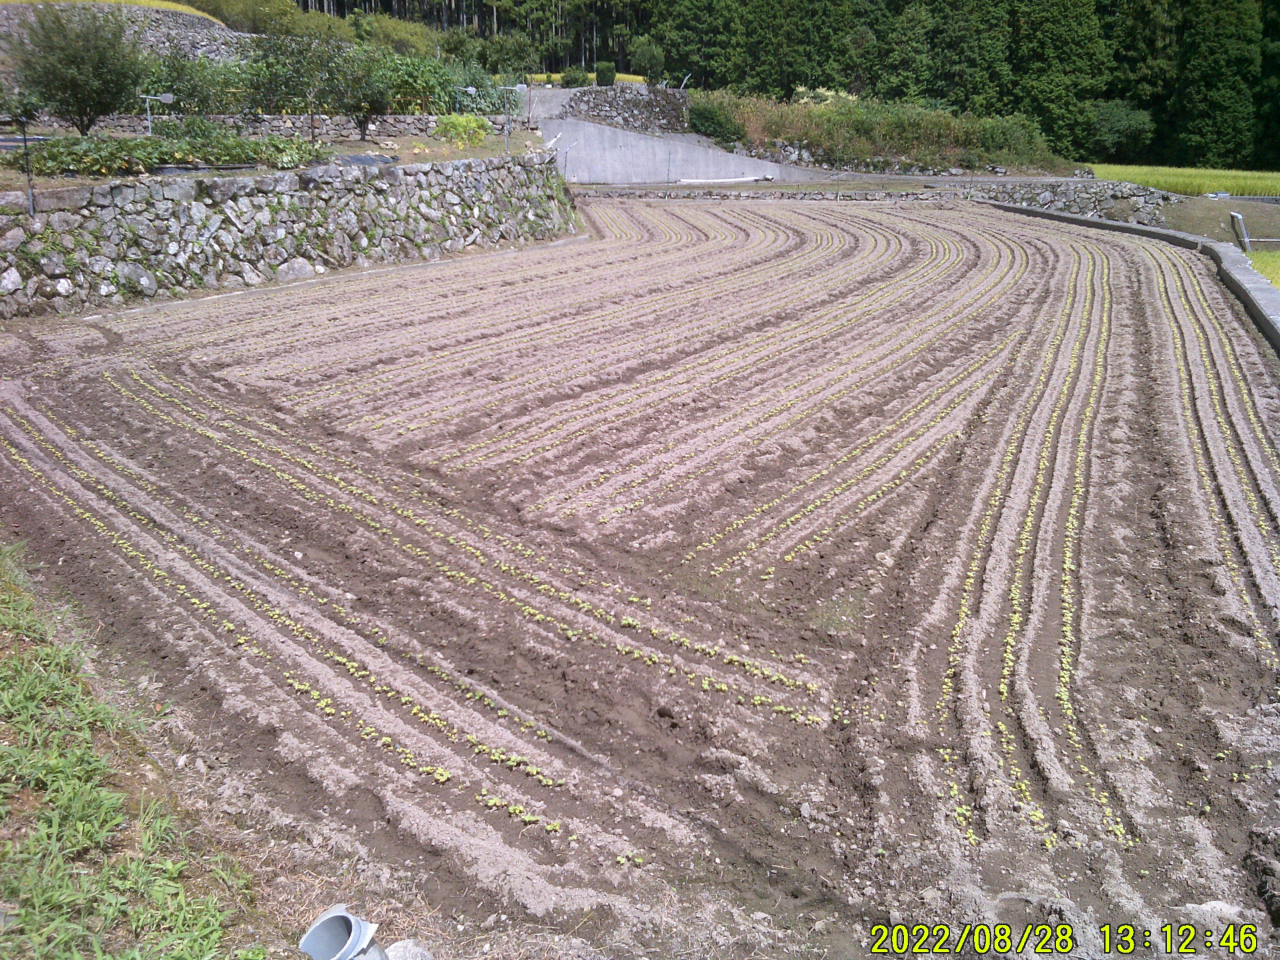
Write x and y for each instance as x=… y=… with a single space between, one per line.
x=766 y=178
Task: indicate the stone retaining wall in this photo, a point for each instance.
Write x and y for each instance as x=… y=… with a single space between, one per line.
x=159 y=31
x=631 y=106
x=162 y=237
x=1107 y=199
x=291 y=125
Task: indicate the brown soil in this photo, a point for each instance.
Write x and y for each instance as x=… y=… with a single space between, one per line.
x=734 y=582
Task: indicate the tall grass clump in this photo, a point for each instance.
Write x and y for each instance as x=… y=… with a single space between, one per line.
x=1194 y=181
x=843 y=129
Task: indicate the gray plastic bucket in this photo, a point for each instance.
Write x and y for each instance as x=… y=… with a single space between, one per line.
x=339 y=935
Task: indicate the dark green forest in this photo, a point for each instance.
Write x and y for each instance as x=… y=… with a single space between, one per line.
x=1180 y=82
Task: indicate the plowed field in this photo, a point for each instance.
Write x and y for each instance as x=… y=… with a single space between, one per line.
x=734 y=580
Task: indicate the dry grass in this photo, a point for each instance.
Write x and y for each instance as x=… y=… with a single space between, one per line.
x=154 y=4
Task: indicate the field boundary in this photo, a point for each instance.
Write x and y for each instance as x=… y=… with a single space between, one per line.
x=109 y=244
x=1260 y=298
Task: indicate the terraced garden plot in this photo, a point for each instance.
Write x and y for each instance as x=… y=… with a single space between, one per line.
x=742 y=575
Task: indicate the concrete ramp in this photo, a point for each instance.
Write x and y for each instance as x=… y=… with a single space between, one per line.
x=594 y=153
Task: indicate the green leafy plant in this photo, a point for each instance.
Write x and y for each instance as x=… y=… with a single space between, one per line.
x=647 y=58
x=80 y=62
x=715 y=121
x=364 y=89
x=575 y=76
x=196 y=141
x=606 y=73
x=464 y=129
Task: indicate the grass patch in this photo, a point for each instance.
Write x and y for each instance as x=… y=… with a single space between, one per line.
x=1193 y=181
x=1267 y=263
x=87 y=870
x=840 y=129
x=154 y=4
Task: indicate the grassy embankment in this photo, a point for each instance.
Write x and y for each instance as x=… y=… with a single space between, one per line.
x=157 y=4
x=841 y=130
x=90 y=864
x=1267 y=263
x=1193 y=181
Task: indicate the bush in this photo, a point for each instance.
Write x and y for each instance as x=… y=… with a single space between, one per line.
x=1121 y=132
x=294 y=74
x=488 y=96
x=198 y=84
x=253 y=16
x=400 y=36
x=363 y=87
x=575 y=77
x=647 y=59
x=80 y=62
x=714 y=120
x=464 y=129
x=510 y=53
x=606 y=73
x=846 y=130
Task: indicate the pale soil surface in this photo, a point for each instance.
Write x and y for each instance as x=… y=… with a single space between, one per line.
x=722 y=586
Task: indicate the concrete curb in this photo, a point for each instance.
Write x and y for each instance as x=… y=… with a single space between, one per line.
x=1261 y=300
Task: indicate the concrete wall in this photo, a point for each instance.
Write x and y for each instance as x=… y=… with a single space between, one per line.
x=595 y=153
x=165 y=236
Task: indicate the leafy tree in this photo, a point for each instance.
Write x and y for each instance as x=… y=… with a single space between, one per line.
x=1219 y=63
x=287 y=70
x=1121 y=132
x=1267 y=94
x=647 y=59
x=906 y=67
x=606 y=73
x=971 y=69
x=81 y=63
x=1059 y=58
x=363 y=88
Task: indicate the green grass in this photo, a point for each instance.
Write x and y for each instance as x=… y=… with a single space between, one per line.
x=1267 y=263
x=1193 y=181
x=156 y=4
x=86 y=870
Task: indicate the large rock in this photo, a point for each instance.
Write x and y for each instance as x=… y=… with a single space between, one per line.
x=409 y=950
x=10 y=281
x=132 y=275
x=294 y=270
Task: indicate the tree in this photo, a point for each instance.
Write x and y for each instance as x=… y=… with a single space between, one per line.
x=1267 y=95
x=363 y=89
x=81 y=63
x=1219 y=63
x=971 y=56
x=647 y=58
x=1060 y=61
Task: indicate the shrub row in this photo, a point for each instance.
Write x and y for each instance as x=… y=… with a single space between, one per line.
x=843 y=129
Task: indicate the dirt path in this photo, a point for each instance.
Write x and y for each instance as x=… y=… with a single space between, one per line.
x=743 y=578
